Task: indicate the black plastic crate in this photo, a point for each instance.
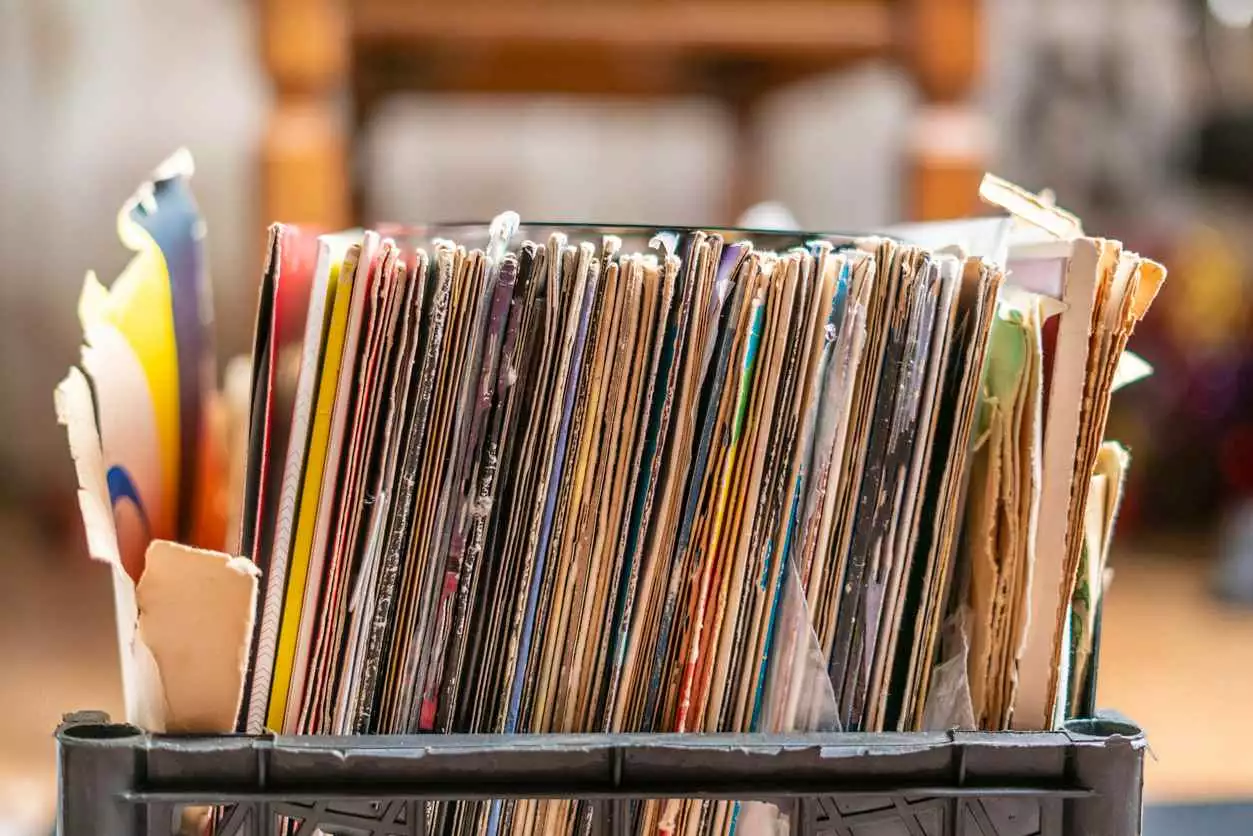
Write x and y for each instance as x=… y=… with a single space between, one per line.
x=116 y=780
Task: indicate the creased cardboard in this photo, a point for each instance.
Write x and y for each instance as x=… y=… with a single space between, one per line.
x=195 y=616
x=1061 y=432
x=1104 y=294
x=1034 y=209
x=183 y=633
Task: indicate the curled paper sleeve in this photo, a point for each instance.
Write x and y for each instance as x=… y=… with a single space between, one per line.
x=183 y=630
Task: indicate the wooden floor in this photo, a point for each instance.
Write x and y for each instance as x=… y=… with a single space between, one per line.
x=58 y=652
x=1173 y=660
x=1181 y=665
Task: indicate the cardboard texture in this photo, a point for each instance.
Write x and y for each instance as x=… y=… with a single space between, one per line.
x=1104 y=293
x=1038 y=211
x=195 y=616
x=728 y=482
x=1001 y=511
x=183 y=631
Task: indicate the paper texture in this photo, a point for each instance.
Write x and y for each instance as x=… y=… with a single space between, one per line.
x=147 y=351
x=1106 y=291
x=321 y=298
x=148 y=439
x=1002 y=511
x=1104 y=498
x=311 y=490
x=510 y=479
x=183 y=634
x=195 y=616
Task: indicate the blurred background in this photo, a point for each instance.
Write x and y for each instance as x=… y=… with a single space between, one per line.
x=1138 y=114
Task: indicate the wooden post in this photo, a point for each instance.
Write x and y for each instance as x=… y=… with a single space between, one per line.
x=740 y=86
x=304 y=158
x=950 y=138
x=743 y=187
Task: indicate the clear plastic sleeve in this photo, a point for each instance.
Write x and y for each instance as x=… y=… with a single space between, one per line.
x=798 y=698
x=949 y=705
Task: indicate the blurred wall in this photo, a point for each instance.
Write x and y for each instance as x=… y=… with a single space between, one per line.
x=95 y=94
x=1086 y=91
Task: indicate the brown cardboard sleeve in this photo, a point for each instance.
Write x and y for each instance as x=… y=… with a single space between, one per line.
x=183 y=630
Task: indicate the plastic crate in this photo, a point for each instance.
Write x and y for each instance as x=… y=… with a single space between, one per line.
x=116 y=780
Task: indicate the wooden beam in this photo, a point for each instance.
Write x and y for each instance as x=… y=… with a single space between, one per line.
x=723 y=27
x=525 y=68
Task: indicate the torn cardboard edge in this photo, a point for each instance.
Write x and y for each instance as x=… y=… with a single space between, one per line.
x=1052 y=253
x=1036 y=210
x=183 y=630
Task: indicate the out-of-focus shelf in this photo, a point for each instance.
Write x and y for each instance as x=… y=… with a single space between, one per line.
x=642 y=48
x=734 y=51
x=735 y=25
